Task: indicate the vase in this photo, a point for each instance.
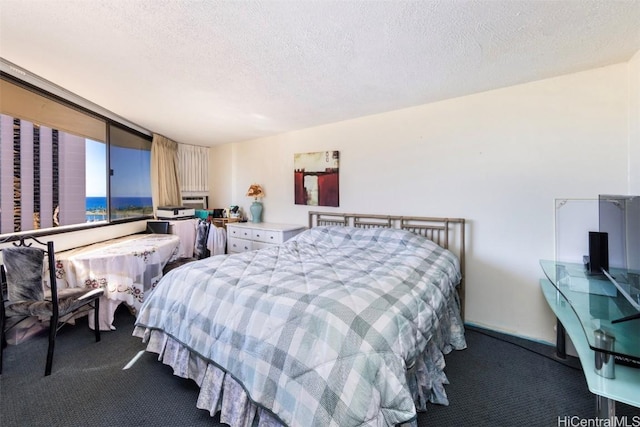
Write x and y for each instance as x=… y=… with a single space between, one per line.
x=256 y=211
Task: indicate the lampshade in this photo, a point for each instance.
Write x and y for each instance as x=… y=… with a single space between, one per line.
x=255 y=191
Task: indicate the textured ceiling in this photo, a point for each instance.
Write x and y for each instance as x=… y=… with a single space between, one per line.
x=212 y=72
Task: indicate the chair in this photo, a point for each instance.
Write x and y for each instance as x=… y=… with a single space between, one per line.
x=24 y=296
x=158 y=227
x=162 y=227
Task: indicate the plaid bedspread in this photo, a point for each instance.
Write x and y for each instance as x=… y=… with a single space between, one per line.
x=319 y=330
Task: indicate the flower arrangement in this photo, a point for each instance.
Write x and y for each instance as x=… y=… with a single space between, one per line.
x=255 y=191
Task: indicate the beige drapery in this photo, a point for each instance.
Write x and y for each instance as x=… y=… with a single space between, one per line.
x=165 y=185
x=193 y=168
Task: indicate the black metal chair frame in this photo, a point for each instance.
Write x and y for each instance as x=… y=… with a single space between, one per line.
x=54 y=321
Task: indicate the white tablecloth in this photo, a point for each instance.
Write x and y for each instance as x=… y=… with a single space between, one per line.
x=127 y=268
x=186 y=230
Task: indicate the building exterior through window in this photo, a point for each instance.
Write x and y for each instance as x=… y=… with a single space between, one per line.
x=36 y=163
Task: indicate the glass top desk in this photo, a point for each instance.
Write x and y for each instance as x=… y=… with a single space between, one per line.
x=601 y=317
x=600 y=306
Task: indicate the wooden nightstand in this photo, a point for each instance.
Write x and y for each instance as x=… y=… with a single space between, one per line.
x=222 y=222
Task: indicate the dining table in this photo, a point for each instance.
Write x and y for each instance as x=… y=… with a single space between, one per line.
x=127 y=268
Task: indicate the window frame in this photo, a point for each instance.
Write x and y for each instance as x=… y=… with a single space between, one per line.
x=108 y=123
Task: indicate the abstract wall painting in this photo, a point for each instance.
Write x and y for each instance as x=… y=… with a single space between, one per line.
x=316 y=180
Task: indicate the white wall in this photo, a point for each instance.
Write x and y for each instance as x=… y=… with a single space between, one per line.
x=498 y=158
x=634 y=124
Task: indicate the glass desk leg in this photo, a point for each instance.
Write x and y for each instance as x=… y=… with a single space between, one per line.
x=605 y=367
x=561 y=347
x=605 y=408
x=605 y=362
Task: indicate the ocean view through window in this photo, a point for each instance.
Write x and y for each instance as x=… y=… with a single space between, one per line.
x=130 y=174
x=97 y=207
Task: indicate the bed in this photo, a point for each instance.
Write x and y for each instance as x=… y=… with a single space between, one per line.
x=346 y=324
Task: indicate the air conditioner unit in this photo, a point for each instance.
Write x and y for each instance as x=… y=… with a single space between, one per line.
x=195 y=202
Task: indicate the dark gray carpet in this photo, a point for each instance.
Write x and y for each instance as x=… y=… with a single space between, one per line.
x=493 y=383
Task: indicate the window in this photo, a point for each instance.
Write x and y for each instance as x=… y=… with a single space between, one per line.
x=96 y=181
x=130 y=176
x=63 y=166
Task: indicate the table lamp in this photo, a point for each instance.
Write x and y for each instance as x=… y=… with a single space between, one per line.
x=255 y=191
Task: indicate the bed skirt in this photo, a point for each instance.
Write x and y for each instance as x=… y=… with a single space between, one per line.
x=220 y=392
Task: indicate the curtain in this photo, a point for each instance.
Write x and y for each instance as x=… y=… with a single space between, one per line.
x=165 y=184
x=193 y=168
